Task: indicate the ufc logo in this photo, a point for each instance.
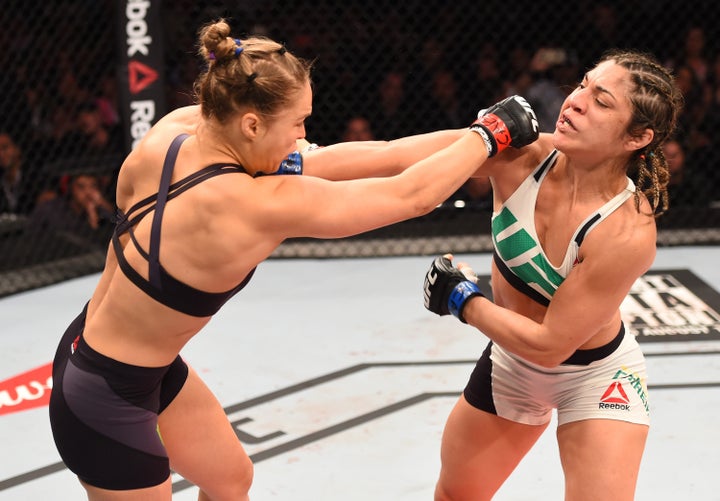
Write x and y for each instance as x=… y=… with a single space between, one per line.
x=430 y=279
x=530 y=111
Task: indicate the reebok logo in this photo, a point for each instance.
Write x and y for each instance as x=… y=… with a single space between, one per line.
x=615 y=398
x=140 y=76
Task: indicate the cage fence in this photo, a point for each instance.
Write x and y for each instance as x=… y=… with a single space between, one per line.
x=82 y=80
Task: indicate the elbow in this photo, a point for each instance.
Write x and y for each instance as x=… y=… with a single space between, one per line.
x=422 y=200
x=547 y=362
x=421 y=207
x=550 y=359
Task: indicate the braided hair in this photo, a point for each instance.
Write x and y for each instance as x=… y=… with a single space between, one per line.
x=656 y=102
x=255 y=72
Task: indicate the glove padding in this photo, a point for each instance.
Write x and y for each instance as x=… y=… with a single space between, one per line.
x=293 y=164
x=447 y=289
x=511 y=122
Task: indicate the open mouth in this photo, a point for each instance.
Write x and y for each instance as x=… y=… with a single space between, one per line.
x=564 y=120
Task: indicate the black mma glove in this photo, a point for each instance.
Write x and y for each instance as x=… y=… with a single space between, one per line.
x=447 y=289
x=511 y=122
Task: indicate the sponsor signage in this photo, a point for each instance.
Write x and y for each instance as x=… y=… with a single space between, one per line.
x=28 y=390
x=672 y=305
x=141 y=67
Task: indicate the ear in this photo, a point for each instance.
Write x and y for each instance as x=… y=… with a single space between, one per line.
x=251 y=125
x=639 y=141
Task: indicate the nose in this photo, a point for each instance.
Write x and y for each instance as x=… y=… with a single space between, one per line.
x=576 y=100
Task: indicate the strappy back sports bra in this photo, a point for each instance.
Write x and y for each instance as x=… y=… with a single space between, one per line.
x=160 y=285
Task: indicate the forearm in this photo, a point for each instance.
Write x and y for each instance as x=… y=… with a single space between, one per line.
x=360 y=159
x=516 y=333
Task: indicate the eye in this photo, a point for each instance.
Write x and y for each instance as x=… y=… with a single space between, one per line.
x=601 y=104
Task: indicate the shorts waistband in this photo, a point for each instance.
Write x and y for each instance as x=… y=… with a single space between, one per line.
x=86 y=358
x=586 y=357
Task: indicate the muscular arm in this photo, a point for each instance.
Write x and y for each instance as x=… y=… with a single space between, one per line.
x=293 y=206
x=359 y=159
x=586 y=303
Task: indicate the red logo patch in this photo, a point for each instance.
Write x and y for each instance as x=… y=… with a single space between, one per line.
x=615 y=394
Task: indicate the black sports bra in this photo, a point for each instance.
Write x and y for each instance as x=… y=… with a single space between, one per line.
x=160 y=285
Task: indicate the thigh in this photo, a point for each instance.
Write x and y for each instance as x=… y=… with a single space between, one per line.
x=479 y=451
x=201 y=443
x=601 y=458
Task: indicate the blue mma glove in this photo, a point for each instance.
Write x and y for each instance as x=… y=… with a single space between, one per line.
x=292 y=165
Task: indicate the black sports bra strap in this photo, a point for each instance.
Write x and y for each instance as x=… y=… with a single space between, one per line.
x=154 y=250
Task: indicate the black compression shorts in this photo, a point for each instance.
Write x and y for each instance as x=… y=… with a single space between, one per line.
x=104 y=414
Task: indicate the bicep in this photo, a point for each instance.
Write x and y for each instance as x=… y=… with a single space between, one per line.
x=591 y=295
x=303 y=206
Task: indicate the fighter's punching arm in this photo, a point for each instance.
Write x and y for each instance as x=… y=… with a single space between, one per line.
x=352 y=160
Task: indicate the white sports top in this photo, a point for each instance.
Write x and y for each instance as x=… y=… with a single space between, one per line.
x=518 y=253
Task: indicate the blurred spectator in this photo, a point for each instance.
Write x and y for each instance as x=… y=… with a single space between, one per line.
x=693 y=111
x=107 y=100
x=518 y=78
x=390 y=112
x=555 y=75
x=445 y=106
x=16 y=115
x=21 y=185
x=486 y=85
x=687 y=185
x=693 y=53
x=357 y=128
x=429 y=59
x=600 y=32
x=93 y=136
x=80 y=216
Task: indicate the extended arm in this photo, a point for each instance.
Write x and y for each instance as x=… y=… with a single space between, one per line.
x=358 y=159
x=355 y=160
x=310 y=206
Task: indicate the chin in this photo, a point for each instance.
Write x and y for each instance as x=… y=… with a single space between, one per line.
x=558 y=140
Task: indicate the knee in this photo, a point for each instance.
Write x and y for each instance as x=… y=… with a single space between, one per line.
x=242 y=478
x=451 y=492
x=441 y=494
x=235 y=485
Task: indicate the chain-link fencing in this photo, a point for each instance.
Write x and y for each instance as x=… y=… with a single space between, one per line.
x=82 y=80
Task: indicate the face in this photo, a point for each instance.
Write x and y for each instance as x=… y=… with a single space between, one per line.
x=358 y=129
x=84 y=189
x=675 y=159
x=9 y=152
x=595 y=116
x=280 y=137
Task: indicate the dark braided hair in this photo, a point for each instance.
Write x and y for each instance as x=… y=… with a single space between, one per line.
x=256 y=73
x=656 y=103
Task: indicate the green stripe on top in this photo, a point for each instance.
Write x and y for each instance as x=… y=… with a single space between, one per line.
x=539 y=271
x=515 y=244
x=553 y=276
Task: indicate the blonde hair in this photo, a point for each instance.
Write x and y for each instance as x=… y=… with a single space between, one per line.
x=255 y=72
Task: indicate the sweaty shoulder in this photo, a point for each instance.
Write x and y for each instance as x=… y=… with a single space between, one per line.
x=510 y=168
x=513 y=160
